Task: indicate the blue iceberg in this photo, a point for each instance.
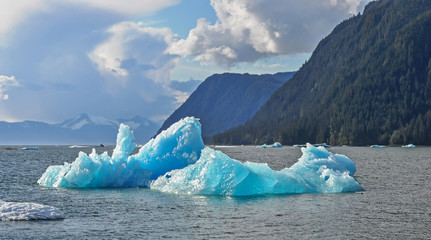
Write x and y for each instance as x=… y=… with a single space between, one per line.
x=377 y=146
x=174 y=148
x=275 y=145
x=30 y=148
x=409 y=146
x=215 y=173
x=176 y=161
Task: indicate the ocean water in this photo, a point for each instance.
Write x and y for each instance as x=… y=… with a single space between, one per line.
x=395 y=204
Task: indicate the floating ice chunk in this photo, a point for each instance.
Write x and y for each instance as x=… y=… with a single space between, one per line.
x=178 y=163
x=317 y=171
x=409 y=146
x=78 y=146
x=30 y=148
x=174 y=148
x=15 y=211
x=377 y=146
x=275 y=145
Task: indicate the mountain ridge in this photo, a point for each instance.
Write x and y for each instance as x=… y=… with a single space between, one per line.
x=226 y=100
x=81 y=129
x=367 y=82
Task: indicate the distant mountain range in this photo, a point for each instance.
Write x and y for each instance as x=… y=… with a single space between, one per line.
x=224 y=101
x=368 y=82
x=82 y=129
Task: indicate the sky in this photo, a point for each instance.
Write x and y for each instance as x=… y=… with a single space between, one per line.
x=117 y=58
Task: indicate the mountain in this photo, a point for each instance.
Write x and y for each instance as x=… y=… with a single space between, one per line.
x=82 y=129
x=188 y=86
x=224 y=101
x=368 y=82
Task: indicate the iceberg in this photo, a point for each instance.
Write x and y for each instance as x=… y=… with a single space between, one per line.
x=30 y=148
x=16 y=211
x=175 y=148
x=78 y=146
x=275 y=145
x=409 y=146
x=377 y=146
x=176 y=161
x=215 y=173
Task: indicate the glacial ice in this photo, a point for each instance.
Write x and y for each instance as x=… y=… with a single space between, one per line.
x=275 y=145
x=176 y=161
x=30 y=148
x=377 y=146
x=16 y=211
x=215 y=173
x=409 y=146
x=174 y=148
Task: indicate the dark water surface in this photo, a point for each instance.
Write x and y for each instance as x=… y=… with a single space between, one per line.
x=396 y=203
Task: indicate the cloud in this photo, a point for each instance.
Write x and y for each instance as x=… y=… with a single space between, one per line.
x=134 y=55
x=130 y=7
x=68 y=61
x=5 y=83
x=76 y=56
x=352 y=6
x=13 y=12
x=248 y=30
x=130 y=44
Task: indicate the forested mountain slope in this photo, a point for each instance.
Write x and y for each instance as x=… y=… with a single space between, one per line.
x=368 y=82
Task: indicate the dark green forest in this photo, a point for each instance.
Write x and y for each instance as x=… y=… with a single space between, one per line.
x=368 y=82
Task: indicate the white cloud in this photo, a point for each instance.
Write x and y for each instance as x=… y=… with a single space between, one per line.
x=352 y=6
x=67 y=63
x=135 y=55
x=5 y=83
x=129 y=41
x=49 y=56
x=14 y=12
x=248 y=30
x=130 y=7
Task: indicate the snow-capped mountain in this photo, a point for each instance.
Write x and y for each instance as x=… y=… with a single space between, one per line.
x=82 y=129
x=84 y=119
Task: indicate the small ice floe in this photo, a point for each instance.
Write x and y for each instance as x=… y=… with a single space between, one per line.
x=275 y=145
x=78 y=146
x=409 y=146
x=30 y=148
x=377 y=146
x=23 y=211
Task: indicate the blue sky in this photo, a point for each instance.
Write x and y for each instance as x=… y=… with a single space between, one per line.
x=116 y=59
